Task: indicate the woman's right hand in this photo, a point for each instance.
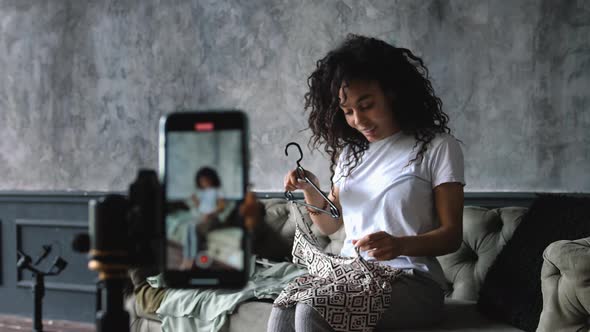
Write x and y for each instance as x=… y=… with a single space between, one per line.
x=325 y=223
x=292 y=182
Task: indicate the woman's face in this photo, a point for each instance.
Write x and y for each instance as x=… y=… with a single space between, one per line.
x=368 y=110
x=205 y=182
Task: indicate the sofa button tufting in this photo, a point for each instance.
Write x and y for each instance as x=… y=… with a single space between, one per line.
x=499 y=226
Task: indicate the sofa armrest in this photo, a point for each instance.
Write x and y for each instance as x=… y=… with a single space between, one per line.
x=565 y=283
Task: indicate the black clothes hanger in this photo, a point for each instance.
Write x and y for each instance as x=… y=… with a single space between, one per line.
x=334 y=212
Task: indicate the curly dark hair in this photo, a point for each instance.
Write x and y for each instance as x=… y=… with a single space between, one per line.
x=400 y=74
x=211 y=174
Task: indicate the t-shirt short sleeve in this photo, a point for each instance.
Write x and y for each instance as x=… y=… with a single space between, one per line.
x=220 y=194
x=339 y=172
x=446 y=163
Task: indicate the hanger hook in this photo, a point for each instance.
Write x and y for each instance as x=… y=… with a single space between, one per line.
x=298 y=148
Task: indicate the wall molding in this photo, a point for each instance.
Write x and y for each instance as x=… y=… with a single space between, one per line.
x=51 y=223
x=60 y=286
x=73 y=197
x=484 y=199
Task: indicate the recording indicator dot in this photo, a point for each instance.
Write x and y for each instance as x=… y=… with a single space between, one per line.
x=203 y=260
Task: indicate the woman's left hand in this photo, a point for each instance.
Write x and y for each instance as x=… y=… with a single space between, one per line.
x=252 y=211
x=381 y=245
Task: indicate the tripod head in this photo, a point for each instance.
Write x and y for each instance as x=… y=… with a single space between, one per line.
x=26 y=263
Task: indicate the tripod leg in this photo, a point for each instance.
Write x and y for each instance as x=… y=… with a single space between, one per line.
x=38 y=293
x=99 y=289
x=112 y=317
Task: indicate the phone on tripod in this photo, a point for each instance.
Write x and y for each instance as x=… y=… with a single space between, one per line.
x=203 y=169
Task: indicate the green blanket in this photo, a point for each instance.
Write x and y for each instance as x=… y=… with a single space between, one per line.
x=208 y=310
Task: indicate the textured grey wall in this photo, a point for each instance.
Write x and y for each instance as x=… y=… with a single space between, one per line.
x=84 y=82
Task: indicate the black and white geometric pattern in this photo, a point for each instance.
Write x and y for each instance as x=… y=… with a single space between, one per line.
x=351 y=293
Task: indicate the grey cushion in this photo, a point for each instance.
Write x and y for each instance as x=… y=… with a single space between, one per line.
x=565 y=281
x=250 y=316
x=485 y=233
x=463 y=316
x=273 y=238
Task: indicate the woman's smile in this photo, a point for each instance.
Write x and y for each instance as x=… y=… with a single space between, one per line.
x=367 y=110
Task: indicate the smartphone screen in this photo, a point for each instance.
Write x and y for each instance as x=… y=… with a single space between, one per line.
x=203 y=169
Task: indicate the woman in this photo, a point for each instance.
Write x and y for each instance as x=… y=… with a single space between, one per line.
x=397 y=175
x=205 y=204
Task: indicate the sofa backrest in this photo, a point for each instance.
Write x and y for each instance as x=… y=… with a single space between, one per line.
x=485 y=232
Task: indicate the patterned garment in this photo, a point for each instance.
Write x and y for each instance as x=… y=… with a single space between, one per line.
x=351 y=293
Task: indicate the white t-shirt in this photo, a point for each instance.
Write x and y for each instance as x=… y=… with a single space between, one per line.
x=207 y=200
x=384 y=193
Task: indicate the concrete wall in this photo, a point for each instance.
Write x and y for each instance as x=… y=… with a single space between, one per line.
x=83 y=83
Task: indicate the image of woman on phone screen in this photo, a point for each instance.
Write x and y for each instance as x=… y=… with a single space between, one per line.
x=205 y=204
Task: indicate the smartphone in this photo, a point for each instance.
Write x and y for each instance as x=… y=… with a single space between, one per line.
x=203 y=168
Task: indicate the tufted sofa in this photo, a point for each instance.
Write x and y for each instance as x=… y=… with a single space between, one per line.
x=565 y=275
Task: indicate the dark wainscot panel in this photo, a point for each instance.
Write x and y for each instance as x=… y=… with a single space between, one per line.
x=30 y=220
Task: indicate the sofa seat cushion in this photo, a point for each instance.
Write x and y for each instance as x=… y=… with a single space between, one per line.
x=460 y=315
x=250 y=316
